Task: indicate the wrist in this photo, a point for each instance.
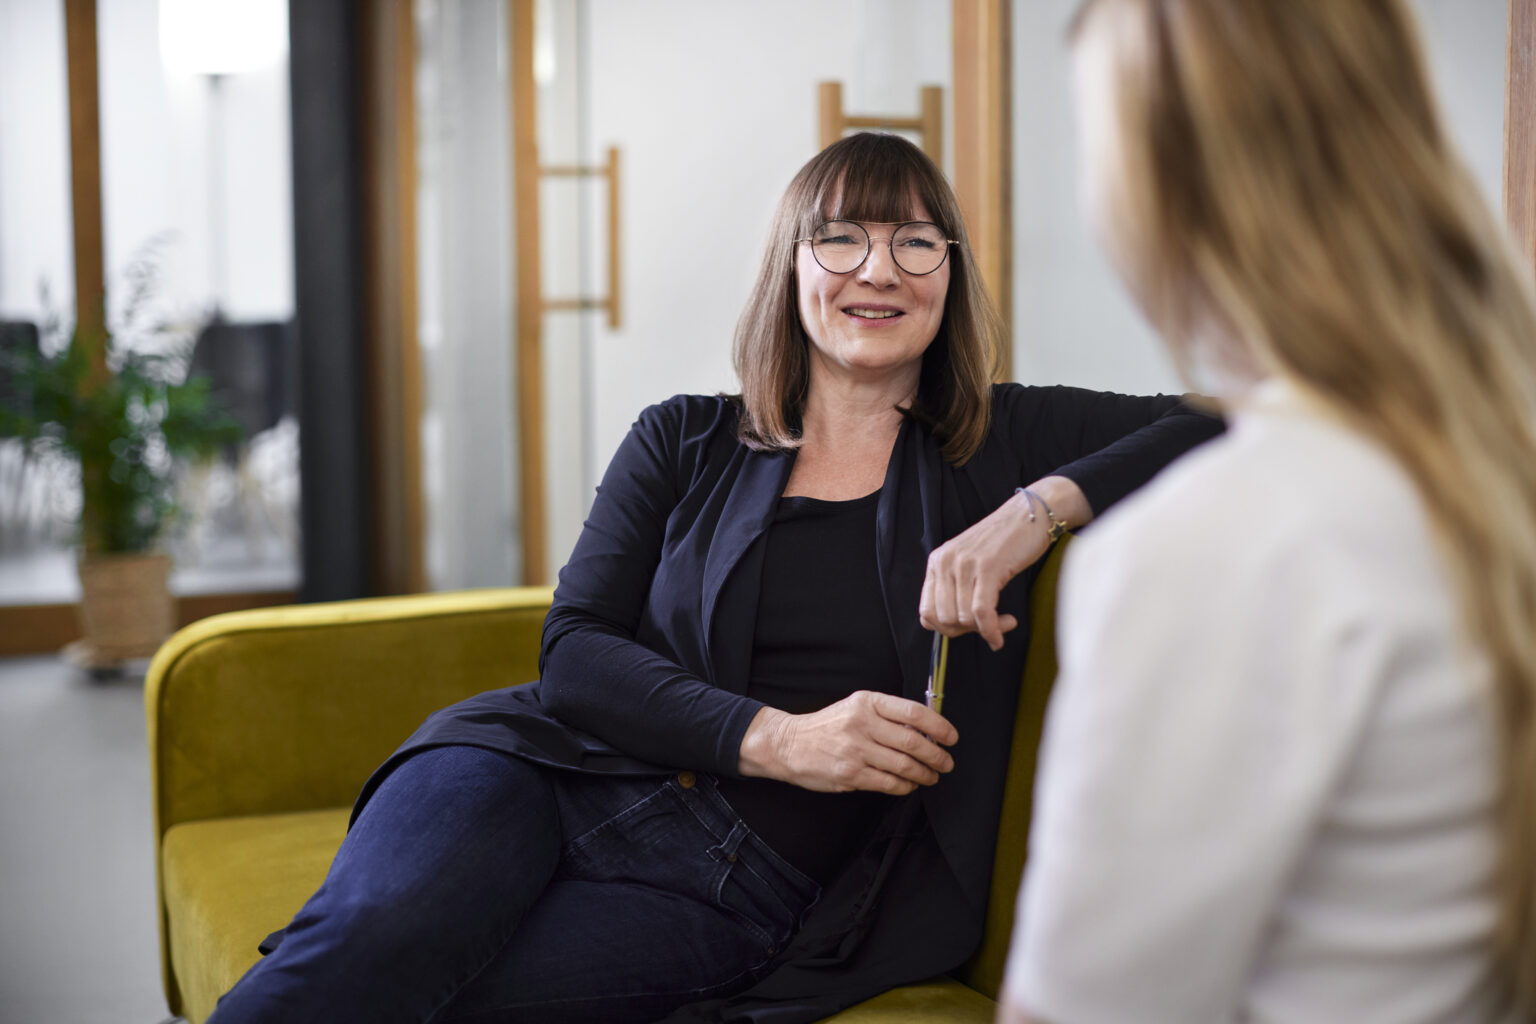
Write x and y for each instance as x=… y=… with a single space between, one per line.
x=761 y=744
x=1053 y=525
x=1064 y=498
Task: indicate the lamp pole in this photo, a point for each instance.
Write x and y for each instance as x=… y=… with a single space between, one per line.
x=216 y=211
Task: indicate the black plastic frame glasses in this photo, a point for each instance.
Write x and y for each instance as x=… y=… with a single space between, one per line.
x=818 y=251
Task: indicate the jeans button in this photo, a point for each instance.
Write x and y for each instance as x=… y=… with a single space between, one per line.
x=686 y=779
x=730 y=858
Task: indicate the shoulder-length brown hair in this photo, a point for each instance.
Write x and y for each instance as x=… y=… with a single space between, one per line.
x=866 y=177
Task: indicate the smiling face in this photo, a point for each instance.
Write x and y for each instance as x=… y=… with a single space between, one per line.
x=873 y=324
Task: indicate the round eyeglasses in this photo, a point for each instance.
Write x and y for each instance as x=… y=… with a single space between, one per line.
x=842 y=246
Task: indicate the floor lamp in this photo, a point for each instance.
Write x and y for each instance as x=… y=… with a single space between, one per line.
x=214 y=39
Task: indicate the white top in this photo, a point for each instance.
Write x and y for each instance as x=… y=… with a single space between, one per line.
x=1267 y=778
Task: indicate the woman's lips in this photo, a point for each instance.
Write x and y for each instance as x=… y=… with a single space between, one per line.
x=875 y=313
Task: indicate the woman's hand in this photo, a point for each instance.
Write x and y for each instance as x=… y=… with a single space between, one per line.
x=967 y=573
x=867 y=740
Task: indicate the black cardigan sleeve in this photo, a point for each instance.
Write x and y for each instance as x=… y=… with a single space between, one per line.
x=1108 y=444
x=594 y=673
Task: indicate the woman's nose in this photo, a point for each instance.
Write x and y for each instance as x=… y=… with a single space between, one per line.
x=879 y=267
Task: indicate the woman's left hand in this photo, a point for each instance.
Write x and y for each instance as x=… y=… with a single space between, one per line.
x=967 y=573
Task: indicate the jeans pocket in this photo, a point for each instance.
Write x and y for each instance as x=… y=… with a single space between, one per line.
x=630 y=844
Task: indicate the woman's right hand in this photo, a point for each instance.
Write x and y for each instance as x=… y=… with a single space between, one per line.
x=870 y=741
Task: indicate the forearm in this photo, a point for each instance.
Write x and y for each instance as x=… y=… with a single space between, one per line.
x=643 y=703
x=1109 y=444
x=1109 y=473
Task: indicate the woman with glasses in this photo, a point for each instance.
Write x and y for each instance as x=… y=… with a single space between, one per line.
x=726 y=797
x=1332 y=815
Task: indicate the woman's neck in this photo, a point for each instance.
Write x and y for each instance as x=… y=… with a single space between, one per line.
x=847 y=409
x=847 y=433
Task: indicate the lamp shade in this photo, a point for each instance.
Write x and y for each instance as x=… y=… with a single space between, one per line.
x=221 y=37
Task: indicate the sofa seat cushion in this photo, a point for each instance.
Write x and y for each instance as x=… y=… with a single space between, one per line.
x=939 y=999
x=229 y=883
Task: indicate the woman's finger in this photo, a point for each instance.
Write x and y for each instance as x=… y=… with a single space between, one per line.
x=930 y=726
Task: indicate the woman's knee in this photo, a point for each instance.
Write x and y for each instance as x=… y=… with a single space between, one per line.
x=452 y=784
x=450 y=824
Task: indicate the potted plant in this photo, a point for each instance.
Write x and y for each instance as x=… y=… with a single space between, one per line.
x=123 y=414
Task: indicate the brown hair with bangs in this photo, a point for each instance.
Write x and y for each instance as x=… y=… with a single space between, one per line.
x=870 y=177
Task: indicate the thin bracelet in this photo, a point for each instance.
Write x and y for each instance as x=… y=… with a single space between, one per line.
x=1029 y=506
x=1057 y=527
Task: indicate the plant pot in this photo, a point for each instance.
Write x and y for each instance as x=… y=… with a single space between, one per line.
x=126 y=608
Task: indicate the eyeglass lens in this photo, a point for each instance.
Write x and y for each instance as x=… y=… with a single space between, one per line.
x=840 y=246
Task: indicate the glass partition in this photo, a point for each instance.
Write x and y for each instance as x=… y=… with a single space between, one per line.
x=197 y=215
x=464 y=275
x=38 y=496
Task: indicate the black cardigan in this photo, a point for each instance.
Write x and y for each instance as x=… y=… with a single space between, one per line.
x=647 y=645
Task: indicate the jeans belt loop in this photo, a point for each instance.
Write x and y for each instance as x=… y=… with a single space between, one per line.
x=726 y=851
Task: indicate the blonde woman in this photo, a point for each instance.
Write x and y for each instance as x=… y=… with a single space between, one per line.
x=1290 y=768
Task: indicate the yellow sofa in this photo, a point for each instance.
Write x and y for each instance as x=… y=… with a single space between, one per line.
x=264 y=724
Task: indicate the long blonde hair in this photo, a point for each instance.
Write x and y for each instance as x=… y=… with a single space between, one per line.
x=1282 y=178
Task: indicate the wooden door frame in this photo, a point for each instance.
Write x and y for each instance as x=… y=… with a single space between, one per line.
x=982 y=114
x=529 y=303
x=1519 y=133
x=391 y=298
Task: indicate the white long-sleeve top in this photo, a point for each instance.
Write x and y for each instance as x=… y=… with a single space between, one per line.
x=1267 y=782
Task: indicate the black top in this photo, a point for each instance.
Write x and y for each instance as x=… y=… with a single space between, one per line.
x=821 y=634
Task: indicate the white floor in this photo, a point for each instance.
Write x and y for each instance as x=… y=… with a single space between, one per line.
x=78 y=941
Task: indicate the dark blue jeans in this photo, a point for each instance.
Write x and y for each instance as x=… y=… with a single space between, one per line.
x=476 y=887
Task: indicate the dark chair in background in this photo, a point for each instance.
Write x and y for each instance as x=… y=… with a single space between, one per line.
x=252 y=367
x=17 y=337
x=21 y=501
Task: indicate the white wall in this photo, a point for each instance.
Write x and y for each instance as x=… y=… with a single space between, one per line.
x=1466 y=40
x=1073 y=324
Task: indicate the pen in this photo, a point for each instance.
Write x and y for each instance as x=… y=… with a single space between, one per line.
x=938 y=661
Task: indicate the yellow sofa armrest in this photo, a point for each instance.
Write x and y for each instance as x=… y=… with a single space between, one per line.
x=290 y=709
x=984 y=971
x=280 y=710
